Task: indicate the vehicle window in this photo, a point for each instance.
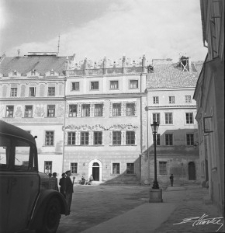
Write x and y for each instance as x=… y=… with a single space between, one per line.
x=4 y=152
x=22 y=154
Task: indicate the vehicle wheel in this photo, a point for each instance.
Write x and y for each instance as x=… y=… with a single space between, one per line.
x=51 y=217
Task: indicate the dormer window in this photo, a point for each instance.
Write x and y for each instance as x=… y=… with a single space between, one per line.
x=52 y=72
x=33 y=72
x=184 y=62
x=15 y=73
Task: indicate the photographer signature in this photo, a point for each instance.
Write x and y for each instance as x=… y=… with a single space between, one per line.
x=202 y=221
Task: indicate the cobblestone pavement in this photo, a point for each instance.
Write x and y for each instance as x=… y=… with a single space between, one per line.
x=93 y=205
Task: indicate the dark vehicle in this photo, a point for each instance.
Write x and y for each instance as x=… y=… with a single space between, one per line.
x=26 y=202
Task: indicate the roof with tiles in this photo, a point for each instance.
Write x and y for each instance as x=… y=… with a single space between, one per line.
x=40 y=63
x=171 y=75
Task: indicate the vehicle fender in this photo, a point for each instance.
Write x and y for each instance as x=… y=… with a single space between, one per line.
x=41 y=204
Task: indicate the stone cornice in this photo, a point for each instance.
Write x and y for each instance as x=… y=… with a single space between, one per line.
x=18 y=99
x=100 y=96
x=171 y=107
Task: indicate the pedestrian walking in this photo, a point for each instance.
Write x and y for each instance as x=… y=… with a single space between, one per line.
x=171 y=180
x=53 y=182
x=62 y=184
x=69 y=189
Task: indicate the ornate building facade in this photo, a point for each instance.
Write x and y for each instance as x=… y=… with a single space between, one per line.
x=32 y=97
x=103 y=119
x=91 y=117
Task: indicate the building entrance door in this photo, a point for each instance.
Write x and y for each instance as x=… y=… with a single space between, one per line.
x=95 y=171
x=191 y=171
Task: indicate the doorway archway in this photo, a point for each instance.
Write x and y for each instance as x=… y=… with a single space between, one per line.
x=95 y=169
x=191 y=171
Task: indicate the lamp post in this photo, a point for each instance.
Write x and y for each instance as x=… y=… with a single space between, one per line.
x=155 y=127
x=155 y=192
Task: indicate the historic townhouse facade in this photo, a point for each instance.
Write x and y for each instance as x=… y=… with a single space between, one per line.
x=32 y=97
x=209 y=95
x=170 y=88
x=103 y=119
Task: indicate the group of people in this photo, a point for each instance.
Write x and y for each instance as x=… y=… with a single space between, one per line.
x=86 y=182
x=66 y=186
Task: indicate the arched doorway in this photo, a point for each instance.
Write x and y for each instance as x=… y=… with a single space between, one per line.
x=191 y=171
x=95 y=169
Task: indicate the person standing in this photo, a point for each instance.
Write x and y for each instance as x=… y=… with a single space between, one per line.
x=171 y=180
x=62 y=183
x=53 y=182
x=69 y=189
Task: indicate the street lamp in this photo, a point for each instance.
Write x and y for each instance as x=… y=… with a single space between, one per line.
x=155 y=127
x=155 y=191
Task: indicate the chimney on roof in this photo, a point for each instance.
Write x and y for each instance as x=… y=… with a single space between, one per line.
x=18 y=52
x=185 y=63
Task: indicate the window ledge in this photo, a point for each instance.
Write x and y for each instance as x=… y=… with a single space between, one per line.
x=85 y=145
x=123 y=145
x=48 y=145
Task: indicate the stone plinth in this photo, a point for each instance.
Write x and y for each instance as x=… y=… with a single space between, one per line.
x=155 y=195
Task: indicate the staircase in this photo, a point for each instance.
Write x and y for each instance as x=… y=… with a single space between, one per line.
x=123 y=180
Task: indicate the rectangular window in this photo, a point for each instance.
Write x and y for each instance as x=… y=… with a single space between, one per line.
x=13 y=92
x=73 y=168
x=130 y=138
x=155 y=99
x=48 y=167
x=51 y=91
x=116 y=138
x=116 y=168
x=85 y=110
x=71 y=140
x=94 y=85
x=158 y=139
x=28 y=111
x=169 y=139
x=162 y=168
x=98 y=138
x=9 y=111
x=168 y=118
x=133 y=84
x=84 y=138
x=32 y=91
x=98 y=110
x=49 y=138
x=189 y=118
x=114 y=85
x=75 y=86
x=187 y=98
x=130 y=109
x=190 y=139
x=171 y=99
x=116 y=111
x=156 y=117
x=130 y=168
x=51 y=111
x=72 y=110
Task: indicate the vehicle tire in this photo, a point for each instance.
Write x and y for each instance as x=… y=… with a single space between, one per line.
x=51 y=217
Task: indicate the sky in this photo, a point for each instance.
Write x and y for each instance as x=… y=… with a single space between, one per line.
x=95 y=29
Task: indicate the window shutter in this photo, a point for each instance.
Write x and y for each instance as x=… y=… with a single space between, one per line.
x=110 y=138
x=66 y=138
x=135 y=138
x=135 y=109
x=92 y=109
x=79 y=110
x=123 y=137
x=91 y=138
x=103 y=137
x=77 y=138
x=110 y=109
x=103 y=110
x=123 y=109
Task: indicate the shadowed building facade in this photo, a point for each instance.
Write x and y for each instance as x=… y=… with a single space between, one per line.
x=170 y=87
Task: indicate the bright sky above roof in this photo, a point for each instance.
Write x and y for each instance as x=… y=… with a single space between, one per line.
x=98 y=28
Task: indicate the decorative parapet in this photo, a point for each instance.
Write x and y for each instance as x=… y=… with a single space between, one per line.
x=100 y=127
x=106 y=66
